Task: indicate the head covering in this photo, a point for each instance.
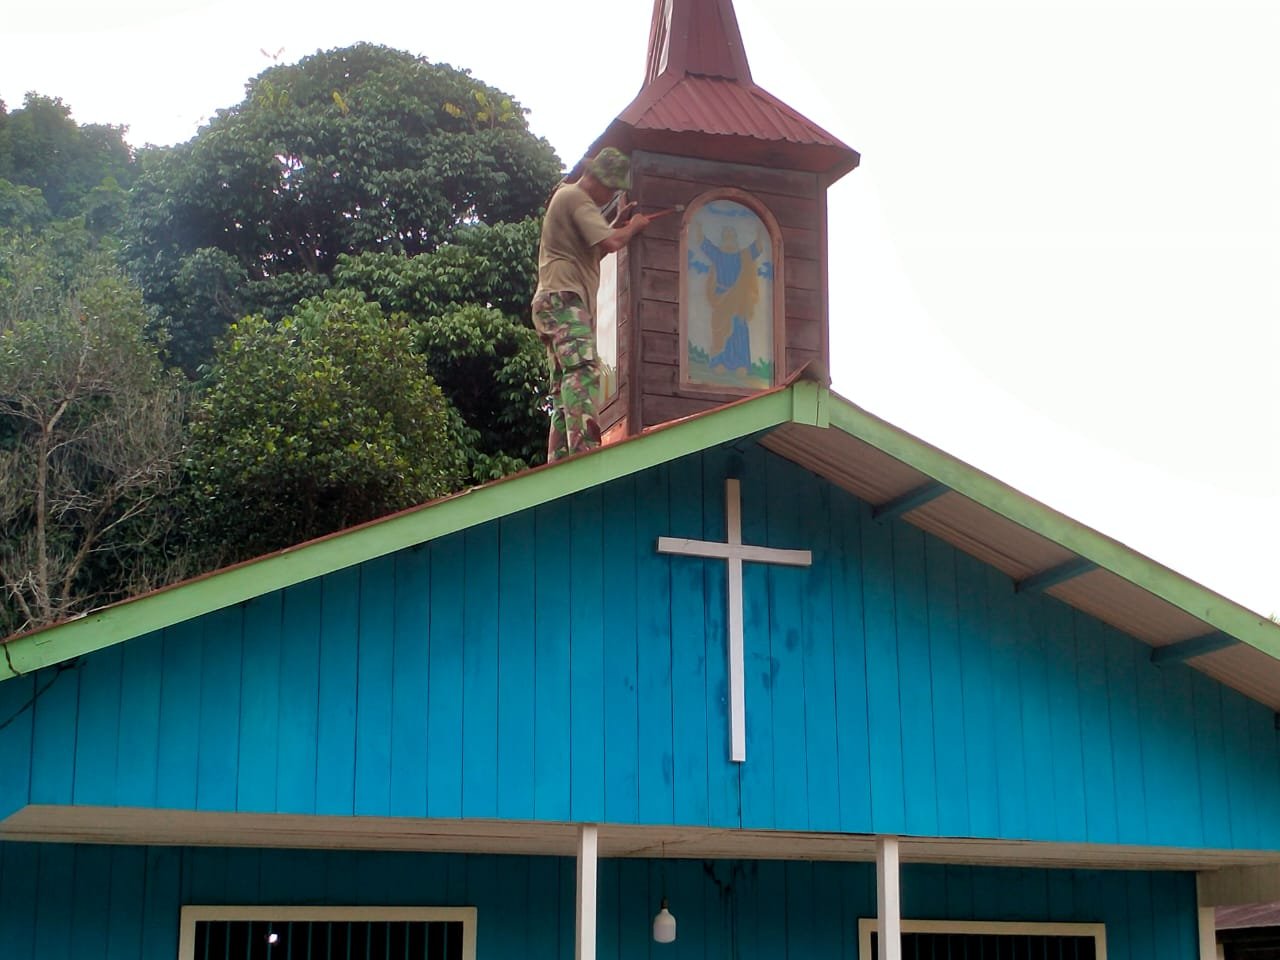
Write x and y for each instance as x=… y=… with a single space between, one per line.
x=612 y=168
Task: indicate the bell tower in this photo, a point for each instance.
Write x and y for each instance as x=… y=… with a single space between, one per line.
x=727 y=296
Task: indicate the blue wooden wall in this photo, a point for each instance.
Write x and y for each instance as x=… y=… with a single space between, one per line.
x=63 y=902
x=896 y=686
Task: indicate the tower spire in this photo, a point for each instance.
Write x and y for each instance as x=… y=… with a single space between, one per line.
x=730 y=297
x=698 y=99
x=696 y=37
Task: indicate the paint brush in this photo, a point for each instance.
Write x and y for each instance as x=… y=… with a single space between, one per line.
x=678 y=208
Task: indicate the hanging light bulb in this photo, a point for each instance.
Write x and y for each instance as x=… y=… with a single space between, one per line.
x=664 y=925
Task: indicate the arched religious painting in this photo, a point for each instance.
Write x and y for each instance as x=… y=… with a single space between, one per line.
x=729 y=308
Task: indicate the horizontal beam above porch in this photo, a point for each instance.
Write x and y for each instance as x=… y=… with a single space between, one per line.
x=129 y=825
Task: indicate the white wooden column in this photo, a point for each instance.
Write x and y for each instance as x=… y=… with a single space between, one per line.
x=1208 y=927
x=585 y=927
x=888 y=899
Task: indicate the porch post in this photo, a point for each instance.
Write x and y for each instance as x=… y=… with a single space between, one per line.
x=888 y=899
x=1206 y=923
x=585 y=927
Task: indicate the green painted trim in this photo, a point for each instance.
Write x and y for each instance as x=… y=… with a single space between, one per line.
x=810 y=404
x=224 y=588
x=804 y=402
x=1000 y=498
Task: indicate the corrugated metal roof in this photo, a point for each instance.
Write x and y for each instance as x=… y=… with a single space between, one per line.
x=725 y=107
x=1247 y=915
x=698 y=85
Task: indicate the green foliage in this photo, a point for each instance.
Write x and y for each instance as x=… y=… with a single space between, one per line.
x=42 y=147
x=494 y=266
x=321 y=421
x=370 y=213
x=487 y=360
x=350 y=151
x=105 y=208
x=494 y=373
x=22 y=208
x=90 y=436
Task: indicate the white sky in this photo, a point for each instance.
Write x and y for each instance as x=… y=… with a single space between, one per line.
x=1059 y=261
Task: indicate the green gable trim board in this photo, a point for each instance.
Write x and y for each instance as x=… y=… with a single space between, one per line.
x=802 y=402
x=1000 y=498
x=223 y=588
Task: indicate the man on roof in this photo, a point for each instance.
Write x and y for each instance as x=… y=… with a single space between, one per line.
x=575 y=237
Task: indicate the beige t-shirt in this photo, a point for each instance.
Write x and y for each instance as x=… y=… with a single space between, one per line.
x=568 y=258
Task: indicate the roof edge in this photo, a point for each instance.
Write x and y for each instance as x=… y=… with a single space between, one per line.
x=1217 y=611
x=798 y=401
x=622 y=132
x=805 y=399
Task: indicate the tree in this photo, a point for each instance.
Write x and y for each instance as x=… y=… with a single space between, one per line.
x=494 y=266
x=42 y=147
x=22 y=208
x=90 y=438
x=470 y=297
x=494 y=374
x=350 y=151
x=321 y=421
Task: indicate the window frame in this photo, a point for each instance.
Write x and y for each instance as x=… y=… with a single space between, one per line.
x=191 y=914
x=778 y=283
x=868 y=925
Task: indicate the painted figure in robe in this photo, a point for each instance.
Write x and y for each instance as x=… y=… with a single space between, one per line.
x=733 y=291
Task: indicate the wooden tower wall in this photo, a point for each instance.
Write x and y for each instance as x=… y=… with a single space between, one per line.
x=649 y=314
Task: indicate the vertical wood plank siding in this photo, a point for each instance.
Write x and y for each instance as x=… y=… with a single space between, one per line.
x=59 y=901
x=795 y=200
x=552 y=665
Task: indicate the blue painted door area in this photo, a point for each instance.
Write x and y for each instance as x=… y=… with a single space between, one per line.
x=552 y=665
x=59 y=902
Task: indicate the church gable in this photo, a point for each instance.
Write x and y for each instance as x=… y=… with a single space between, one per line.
x=552 y=664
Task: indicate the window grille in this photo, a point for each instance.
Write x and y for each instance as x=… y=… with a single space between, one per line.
x=327 y=933
x=943 y=940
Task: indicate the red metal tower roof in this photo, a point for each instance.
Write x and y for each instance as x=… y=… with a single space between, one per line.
x=698 y=98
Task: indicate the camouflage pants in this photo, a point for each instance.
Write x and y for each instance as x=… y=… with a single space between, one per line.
x=569 y=333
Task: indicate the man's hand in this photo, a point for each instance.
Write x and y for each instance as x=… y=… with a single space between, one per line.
x=621 y=236
x=624 y=215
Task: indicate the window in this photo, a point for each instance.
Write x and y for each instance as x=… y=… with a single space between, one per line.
x=326 y=933
x=607 y=329
x=958 y=940
x=731 y=310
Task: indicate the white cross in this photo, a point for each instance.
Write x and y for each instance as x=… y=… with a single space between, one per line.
x=735 y=551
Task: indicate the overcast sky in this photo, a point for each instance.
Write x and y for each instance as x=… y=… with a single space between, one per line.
x=1059 y=260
